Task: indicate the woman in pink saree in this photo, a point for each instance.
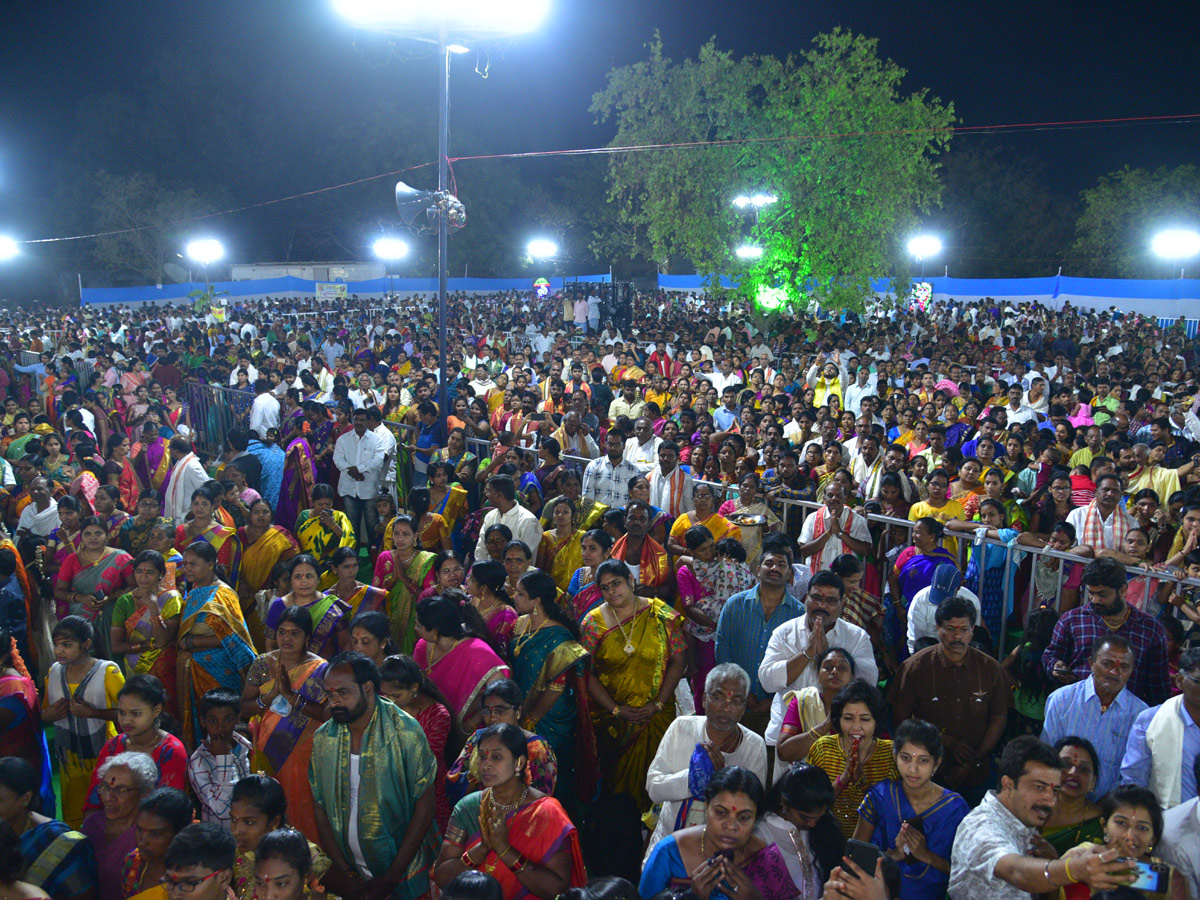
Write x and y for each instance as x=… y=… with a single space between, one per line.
x=454 y=652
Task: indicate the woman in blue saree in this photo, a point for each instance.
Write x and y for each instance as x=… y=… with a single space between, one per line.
x=548 y=663
x=215 y=649
x=912 y=819
x=915 y=565
x=985 y=568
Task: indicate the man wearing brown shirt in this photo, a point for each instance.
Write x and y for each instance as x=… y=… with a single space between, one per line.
x=960 y=690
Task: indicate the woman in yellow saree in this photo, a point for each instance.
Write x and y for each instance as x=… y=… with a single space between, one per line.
x=560 y=552
x=214 y=645
x=323 y=529
x=264 y=545
x=285 y=712
x=637 y=649
x=704 y=514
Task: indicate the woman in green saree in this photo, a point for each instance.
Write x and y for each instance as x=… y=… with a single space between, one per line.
x=548 y=663
x=404 y=572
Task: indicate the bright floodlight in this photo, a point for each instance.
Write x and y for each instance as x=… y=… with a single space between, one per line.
x=1176 y=243
x=923 y=246
x=458 y=48
x=204 y=251
x=390 y=248
x=749 y=251
x=758 y=201
x=8 y=247
x=463 y=18
x=540 y=248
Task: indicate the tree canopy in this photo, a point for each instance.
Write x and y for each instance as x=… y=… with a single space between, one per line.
x=1124 y=210
x=851 y=159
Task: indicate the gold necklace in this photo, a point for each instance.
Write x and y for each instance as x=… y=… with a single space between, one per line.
x=527 y=635
x=629 y=648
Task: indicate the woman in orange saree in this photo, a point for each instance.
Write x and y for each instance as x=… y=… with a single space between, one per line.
x=286 y=713
x=513 y=832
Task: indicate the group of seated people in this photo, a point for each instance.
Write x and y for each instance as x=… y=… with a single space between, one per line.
x=904 y=629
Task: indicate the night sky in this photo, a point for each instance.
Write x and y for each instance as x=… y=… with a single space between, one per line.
x=998 y=62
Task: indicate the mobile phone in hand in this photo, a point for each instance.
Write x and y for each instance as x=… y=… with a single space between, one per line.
x=1148 y=876
x=863 y=855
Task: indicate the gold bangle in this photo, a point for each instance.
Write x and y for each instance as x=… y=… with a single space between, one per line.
x=616 y=711
x=465 y=859
x=659 y=705
x=1067 y=870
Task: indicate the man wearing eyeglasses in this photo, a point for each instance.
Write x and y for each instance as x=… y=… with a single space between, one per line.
x=697 y=745
x=199 y=863
x=789 y=662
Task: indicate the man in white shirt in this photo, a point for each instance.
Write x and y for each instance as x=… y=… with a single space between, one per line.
x=501 y=493
x=482 y=383
x=264 y=411
x=832 y=530
x=387 y=480
x=790 y=660
x=187 y=474
x=1018 y=413
x=1180 y=844
x=724 y=378
x=994 y=847
x=642 y=448
x=1096 y=520
x=358 y=455
x=864 y=385
x=670 y=486
x=40 y=515
x=726 y=690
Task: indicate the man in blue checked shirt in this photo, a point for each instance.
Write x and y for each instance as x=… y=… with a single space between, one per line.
x=746 y=623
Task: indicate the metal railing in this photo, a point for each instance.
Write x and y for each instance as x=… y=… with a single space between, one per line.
x=212 y=410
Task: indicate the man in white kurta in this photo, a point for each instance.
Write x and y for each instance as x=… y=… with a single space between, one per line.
x=790 y=660
x=719 y=733
x=187 y=474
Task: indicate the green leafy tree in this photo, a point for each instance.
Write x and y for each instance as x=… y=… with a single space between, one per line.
x=851 y=159
x=1122 y=213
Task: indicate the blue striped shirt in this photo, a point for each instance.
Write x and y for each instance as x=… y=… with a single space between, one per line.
x=742 y=632
x=1074 y=710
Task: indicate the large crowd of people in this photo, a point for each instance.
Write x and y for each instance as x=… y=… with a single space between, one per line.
x=878 y=605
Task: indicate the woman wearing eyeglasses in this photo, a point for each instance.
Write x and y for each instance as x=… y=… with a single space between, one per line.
x=502 y=704
x=124 y=780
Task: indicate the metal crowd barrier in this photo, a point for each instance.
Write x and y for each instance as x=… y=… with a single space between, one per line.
x=212 y=410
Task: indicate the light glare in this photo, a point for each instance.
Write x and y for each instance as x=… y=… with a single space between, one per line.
x=749 y=251
x=8 y=247
x=758 y=201
x=476 y=17
x=1176 y=243
x=458 y=48
x=390 y=248
x=204 y=251
x=540 y=248
x=924 y=246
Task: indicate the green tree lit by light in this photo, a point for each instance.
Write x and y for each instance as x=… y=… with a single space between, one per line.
x=845 y=204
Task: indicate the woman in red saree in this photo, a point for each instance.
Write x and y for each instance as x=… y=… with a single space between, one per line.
x=511 y=831
x=204 y=526
x=117 y=453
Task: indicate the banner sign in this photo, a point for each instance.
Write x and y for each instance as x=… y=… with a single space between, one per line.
x=330 y=292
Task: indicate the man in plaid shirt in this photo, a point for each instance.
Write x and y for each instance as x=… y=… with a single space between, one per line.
x=1067 y=658
x=606 y=480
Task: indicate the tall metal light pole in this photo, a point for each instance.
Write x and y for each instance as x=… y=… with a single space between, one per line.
x=442 y=24
x=205 y=251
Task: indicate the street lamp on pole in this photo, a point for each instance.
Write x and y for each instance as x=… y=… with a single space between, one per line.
x=205 y=251
x=390 y=249
x=541 y=248
x=444 y=24
x=1176 y=244
x=922 y=247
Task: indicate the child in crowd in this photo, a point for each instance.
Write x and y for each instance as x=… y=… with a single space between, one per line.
x=221 y=758
x=80 y=699
x=1185 y=602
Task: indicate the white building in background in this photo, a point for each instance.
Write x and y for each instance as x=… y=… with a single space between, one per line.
x=310 y=271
